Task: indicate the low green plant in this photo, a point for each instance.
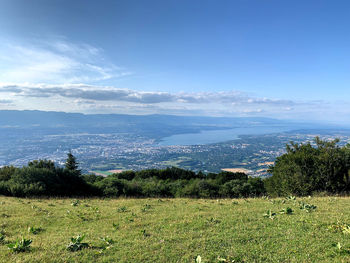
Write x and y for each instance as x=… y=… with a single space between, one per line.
x=287 y=211
x=291 y=198
x=129 y=219
x=107 y=243
x=96 y=212
x=75 y=203
x=77 y=244
x=340 y=227
x=40 y=210
x=307 y=207
x=20 y=245
x=339 y=246
x=116 y=226
x=341 y=249
x=146 y=207
x=228 y=260
x=144 y=233
x=213 y=220
x=83 y=216
x=122 y=209
x=2 y=238
x=34 y=230
x=269 y=214
x=277 y=202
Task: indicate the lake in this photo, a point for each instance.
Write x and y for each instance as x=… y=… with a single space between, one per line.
x=215 y=136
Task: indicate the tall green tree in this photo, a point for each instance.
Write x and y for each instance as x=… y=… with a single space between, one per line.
x=72 y=164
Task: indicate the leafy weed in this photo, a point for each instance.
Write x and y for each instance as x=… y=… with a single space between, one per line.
x=122 y=209
x=77 y=244
x=20 y=245
x=35 y=230
x=287 y=211
x=307 y=207
x=269 y=214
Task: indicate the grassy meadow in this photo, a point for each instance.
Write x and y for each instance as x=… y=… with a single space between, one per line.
x=178 y=230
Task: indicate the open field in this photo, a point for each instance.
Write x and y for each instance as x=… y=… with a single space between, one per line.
x=178 y=230
x=106 y=173
x=236 y=170
x=101 y=173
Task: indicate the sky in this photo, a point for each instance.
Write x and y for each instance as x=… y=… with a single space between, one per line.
x=270 y=58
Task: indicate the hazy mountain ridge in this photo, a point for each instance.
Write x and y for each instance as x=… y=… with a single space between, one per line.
x=32 y=123
x=53 y=119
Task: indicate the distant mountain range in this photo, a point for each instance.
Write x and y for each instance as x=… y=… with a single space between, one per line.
x=53 y=119
x=147 y=125
x=16 y=123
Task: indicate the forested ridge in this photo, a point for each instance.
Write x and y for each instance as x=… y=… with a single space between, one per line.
x=304 y=170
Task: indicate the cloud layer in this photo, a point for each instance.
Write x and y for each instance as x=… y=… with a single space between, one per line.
x=108 y=99
x=98 y=93
x=84 y=97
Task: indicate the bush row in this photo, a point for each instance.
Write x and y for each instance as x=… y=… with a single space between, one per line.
x=43 y=178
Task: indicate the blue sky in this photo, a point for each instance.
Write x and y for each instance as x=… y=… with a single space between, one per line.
x=283 y=59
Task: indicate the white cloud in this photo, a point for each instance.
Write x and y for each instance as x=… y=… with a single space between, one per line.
x=55 y=62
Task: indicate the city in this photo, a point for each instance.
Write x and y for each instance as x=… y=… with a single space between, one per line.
x=100 y=153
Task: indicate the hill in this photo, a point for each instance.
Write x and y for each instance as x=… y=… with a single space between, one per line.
x=26 y=123
x=178 y=230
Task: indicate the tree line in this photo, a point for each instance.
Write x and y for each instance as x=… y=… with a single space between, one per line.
x=44 y=178
x=303 y=170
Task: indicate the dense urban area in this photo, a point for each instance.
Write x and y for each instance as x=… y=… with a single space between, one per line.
x=104 y=154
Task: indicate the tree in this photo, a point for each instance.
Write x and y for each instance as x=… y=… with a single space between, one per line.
x=71 y=164
x=305 y=169
x=48 y=164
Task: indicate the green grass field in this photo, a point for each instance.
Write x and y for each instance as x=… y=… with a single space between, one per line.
x=103 y=173
x=178 y=230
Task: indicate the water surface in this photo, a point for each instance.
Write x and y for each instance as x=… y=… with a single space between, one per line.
x=215 y=136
